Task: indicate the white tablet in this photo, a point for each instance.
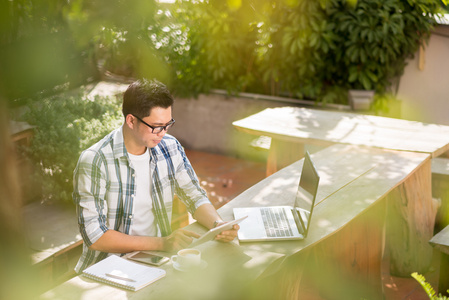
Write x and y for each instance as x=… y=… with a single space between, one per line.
x=212 y=233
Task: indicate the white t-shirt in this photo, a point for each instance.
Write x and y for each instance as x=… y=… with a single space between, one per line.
x=143 y=216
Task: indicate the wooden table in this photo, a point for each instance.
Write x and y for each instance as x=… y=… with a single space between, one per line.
x=292 y=127
x=345 y=241
x=412 y=211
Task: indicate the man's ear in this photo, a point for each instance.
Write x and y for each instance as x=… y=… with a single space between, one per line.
x=130 y=120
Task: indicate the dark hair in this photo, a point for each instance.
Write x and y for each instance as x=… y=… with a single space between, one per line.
x=143 y=95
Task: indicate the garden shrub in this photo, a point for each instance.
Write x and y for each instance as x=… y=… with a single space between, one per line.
x=306 y=49
x=65 y=126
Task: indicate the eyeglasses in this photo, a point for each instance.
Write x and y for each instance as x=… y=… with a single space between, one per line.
x=157 y=129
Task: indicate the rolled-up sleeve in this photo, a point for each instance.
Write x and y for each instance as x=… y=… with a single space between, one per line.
x=89 y=194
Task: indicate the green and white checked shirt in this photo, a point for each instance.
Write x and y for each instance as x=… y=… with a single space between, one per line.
x=104 y=189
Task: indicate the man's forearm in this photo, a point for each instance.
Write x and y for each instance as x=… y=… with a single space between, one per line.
x=206 y=215
x=116 y=242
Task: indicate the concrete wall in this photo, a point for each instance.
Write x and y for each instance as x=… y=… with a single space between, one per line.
x=425 y=93
x=205 y=124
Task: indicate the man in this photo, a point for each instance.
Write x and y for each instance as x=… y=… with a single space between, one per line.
x=124 y=184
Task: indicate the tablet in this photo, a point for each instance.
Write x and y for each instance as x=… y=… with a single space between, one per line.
x=212 y=233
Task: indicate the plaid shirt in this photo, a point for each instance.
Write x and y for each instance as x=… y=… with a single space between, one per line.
x=104 y=189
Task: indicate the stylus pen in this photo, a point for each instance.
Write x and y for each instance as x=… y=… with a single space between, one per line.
x=120 y=277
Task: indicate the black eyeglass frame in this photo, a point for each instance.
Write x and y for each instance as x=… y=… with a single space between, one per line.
x=169 y=124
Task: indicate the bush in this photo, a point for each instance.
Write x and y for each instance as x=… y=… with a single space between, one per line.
x=306 y=49
x=64 y=128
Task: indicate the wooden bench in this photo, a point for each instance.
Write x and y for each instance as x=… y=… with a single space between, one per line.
x=441 y=242
x=54 y=241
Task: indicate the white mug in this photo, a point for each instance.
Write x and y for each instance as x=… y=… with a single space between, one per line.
x=187 y=258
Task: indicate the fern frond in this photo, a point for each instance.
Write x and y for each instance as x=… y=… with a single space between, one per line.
x=426 y=286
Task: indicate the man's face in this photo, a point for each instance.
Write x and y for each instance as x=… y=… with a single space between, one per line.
x=158 y=117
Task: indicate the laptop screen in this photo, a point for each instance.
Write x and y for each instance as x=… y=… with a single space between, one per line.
x=306 y=194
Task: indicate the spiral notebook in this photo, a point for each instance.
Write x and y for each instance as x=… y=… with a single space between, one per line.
x=123 y=273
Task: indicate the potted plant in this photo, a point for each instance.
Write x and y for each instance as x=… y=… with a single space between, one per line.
x=360 y=99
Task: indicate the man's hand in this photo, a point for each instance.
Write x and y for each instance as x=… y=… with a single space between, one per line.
x=228 y=235
x=178 y=239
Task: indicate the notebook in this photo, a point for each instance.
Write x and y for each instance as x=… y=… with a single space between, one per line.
x=123 y=273
x=276 y=223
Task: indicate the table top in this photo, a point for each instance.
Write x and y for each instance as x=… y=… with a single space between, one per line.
x=352 y=179
x=324 y=128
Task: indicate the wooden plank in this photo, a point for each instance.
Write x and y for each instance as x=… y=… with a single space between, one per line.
x=318 y=127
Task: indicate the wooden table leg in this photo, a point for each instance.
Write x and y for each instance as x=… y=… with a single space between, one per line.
x=411 y=215
x=348 y=264
x=282 y=280
x=282 y=154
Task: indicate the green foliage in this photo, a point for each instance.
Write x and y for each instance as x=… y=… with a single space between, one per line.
x=428 y=288
x=38 y=50
x=300 y=48
x=207 y=45
x=305 y=49
x=376 y=38
x=119 y=32
x=65 y=127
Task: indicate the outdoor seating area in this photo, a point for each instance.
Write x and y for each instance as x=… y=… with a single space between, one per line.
x=321 y=128
x=360 y=199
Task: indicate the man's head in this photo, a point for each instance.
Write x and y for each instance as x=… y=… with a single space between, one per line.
x=147 y=108
x=143 y=95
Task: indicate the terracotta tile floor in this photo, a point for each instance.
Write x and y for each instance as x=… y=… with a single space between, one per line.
x=225 y=177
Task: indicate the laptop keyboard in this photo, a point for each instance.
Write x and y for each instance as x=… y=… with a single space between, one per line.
x=276 y=223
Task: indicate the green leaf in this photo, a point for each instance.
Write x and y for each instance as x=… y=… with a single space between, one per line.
x=353 y=76
x=426 y=286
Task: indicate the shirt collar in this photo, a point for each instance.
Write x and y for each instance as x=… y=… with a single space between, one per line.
x=119 y=143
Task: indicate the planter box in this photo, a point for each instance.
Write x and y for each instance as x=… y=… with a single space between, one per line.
x=360 y=99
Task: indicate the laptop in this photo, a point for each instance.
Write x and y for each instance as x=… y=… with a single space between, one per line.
x=277 y=223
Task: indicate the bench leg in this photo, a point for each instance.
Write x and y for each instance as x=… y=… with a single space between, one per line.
x=443 y=282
